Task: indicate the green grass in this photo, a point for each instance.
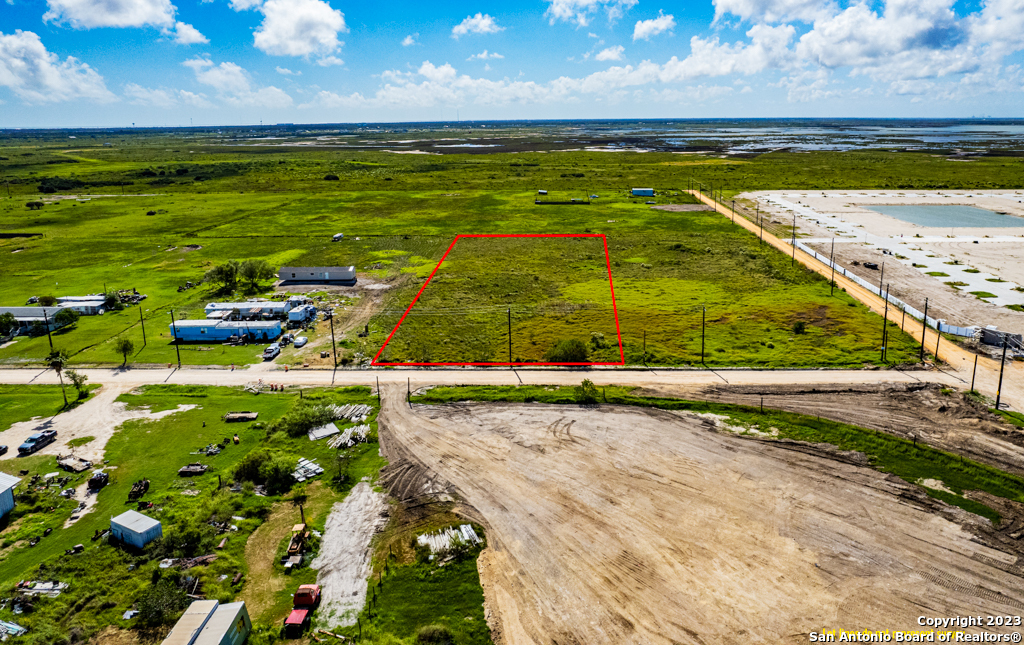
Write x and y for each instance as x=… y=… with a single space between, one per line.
x=1015 y=307
x=972 y=271
x=25 y=402
x=937 y=274
x=994 y=280
x=81 y=441
x=1016 y=418
x=887 y=453
x=957 y=285
x=983 y=294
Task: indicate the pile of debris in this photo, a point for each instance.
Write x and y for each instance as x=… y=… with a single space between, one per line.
x=10 y=629
x=349 y=438
x=356 y=413
x=38 y=588
x=442 y=541
x=73 y=464
x=139 y=489
x=202 y=560
x=231 y=417
x=192 y=469
x=306 y=469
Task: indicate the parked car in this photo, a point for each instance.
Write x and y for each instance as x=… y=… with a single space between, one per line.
x=271 y=352
x=37 y=441
x=3 y=450
x=300 y=341
x=287 y=338
x=304 y=602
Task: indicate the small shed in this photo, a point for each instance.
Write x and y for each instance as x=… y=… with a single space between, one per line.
x=229 y=625
x=7 y=484
x=643 y=192
x=136 y=529
x=191 y=623
x=341 y=275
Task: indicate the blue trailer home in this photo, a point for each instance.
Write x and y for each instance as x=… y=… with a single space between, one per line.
x=643 y=192
x=209 y=331
x=7 y=484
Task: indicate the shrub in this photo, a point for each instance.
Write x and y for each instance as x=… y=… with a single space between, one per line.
x=34 y=206
x=567 y=351
x=799 y=327
x=301 y=420
x=270 y=468
x=66 y=317
x=330 y=178
x=160 y=603
x=434 y=635
x=8 y=323
x=47 y=301
x=585 y=392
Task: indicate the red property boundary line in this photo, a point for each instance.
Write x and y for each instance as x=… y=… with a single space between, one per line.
x=615 y=310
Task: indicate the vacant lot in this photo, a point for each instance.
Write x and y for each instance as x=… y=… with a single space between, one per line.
x=618 y=525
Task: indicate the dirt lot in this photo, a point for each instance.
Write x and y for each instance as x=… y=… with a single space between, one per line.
x=912 y=287
x=619 y=525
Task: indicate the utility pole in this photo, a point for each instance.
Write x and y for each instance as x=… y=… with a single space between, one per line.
x=510 y=336
x=975 y=372
x=645 y=347
x=177 y=347
x=793 y=263
x=832 y=261
x=1002 y=364
x=924 y=328
x=334 y=348
x=46 y=319
x=703 y=314
x=143 y=322
x=881 y=277
x=904 y=318
x=408 y=390
x=378 y=392
x=885 y=322
x=734 y=210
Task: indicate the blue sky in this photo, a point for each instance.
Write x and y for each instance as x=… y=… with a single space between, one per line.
x=172 y=62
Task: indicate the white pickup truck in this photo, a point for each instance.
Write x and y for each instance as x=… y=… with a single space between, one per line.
x=271 y=352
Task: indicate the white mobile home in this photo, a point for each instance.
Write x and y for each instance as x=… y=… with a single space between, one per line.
x=342 y=275
x=7 y=484
x=191 y=623
x=228 y=625
x=135 y=528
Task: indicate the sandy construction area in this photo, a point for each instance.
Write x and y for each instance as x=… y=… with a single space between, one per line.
x=616 y=525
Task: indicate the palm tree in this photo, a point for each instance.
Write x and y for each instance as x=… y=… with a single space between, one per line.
x=58 y=361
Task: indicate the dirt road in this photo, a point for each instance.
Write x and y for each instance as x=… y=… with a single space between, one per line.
x=617 y=525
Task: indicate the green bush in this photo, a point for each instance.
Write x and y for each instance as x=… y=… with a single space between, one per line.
x=160 y=603
x=270 y=468
x=434 y=635
x=301 y=420
x=567 y=351
x=585 y=392
x=799 y=327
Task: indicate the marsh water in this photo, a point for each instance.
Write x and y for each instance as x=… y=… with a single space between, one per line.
x=948 y=215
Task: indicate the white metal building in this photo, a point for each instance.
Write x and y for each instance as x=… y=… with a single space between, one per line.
x=262 y=308
x=228 y=625
x=186 y=630
x=7 y=484
x=346 y=275
x=136 y=529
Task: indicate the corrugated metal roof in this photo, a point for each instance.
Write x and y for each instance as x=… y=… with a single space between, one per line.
x=235 y=324
x=222 y=620
x=135 y=521
x=191 y=622
x=8 y=481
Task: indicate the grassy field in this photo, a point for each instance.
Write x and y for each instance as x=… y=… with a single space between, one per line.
x=886 y=453
x=22 y=403
x=218 y=201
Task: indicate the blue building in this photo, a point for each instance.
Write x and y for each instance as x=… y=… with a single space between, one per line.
x=209 y=331
x=643 y=192
x=7 y=484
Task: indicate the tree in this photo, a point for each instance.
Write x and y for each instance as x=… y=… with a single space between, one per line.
x=78 y=380
x=252 y=271
x=37 y=328
x=34 y=206
x=224 y=274
x=124 y=346
x=47 y=301
x=160 y=603
x=58 y=361
x=8 y=323
x=66 y=317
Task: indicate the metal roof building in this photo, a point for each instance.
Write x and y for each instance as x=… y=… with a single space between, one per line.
x=221 y=330
x=186 y=630
x=228 y=625
x=7 y=484
x=136 y=529
x=643 y=192
x=257 y=307
x=345 y=275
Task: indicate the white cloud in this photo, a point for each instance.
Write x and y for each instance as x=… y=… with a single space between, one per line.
x=284 y=71
x=481 y=23
x=644 y=29
x=811 y=85
x=300 y=28
x=689 y=95
x=484 y=55
x=86 y=14
x=243 y=5
x=232 y=85
x=776 y=10
x=36 y=75
x=592 y=35
x=330 y=61
x=581 y=12
x=612 y=53
x=410 y=40
x=185 y=34
x=162 y=97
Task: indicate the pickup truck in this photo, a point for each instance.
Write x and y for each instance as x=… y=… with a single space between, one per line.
x=306 y=599
x=271 y=352
x=37 y=441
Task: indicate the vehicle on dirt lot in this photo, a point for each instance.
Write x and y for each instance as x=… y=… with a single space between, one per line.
x=304 y=602
x=300 y=341
x=37 y=441
x=98 y=481
x=3 y=450
x=271 y=352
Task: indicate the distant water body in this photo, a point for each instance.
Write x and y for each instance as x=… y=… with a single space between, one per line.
x=948 y=215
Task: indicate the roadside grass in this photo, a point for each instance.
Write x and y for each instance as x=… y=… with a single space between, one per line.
x=888 y=454
x=80 y=441
x=25 y=402
x=1016 y=418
